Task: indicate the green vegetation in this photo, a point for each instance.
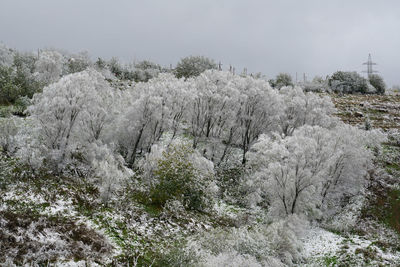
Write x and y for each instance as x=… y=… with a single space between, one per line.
x=330 y=261
x=378 y=83
x=281 y=80
x=16 y=83
x=193 y=66
x=182 y=191
x=178 y=179
x=348 y=83
x=175 y=175
x=387 y=209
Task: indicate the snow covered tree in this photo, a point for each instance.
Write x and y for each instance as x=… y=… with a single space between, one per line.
x=108 y=169
x=146 y=70
x=301 y=108
x=78 y=62
x=231 y=111
x=219 y=95
x=318 y=84
x=6 y=55
x=147 y=111
x=69 y=129
x=177 y=96
x=139 y=123
x=9 y=128
x=259 y=110
x=70 y=114
x=49 y=66
x=313 y=169
x=212 y=103
x=347 y=82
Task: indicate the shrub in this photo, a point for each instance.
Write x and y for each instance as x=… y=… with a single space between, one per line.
x=115 y=67
x=8 y=130
x=8 y=90
x=15 y=83
x=318 y=84
x=377 y=82
x=146 y=70
x=100 y=63
x=348 y=83
x=275 y=244
x=193 y=66
x=282 y=79
x=179 y=174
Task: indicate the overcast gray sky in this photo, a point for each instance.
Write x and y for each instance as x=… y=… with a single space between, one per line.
x=316 y=37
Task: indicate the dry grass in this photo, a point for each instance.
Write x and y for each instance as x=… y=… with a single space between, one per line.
x=383 y=111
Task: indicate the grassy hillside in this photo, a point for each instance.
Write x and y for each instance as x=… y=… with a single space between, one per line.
x=379 y=112
x=48 y=220
x=383 y=111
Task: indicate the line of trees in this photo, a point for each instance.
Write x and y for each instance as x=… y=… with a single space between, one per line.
x=341 y=82
x=84 y=126
x=189 y=142
x=286 y=142
x=23 y=74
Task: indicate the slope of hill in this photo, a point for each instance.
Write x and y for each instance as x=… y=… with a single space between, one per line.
x=48 y=220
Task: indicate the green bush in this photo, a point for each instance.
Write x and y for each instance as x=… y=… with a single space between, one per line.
x=21 y=104
x=282 y=79
x=377 y=82
x=348 y=82
x=15 y=83
x=193 y=66
x=178 y=178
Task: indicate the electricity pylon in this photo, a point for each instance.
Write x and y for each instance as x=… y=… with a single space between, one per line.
x=369 y=64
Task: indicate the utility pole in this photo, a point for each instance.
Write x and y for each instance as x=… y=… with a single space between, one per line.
x=369 y=64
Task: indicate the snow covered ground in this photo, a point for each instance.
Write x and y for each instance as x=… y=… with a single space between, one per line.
x=325 y=247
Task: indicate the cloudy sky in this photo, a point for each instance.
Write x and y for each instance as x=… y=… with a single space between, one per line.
x=316 y=37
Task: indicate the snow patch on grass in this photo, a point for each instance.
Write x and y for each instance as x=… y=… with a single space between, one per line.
x=324 y=247
x=320 y=242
